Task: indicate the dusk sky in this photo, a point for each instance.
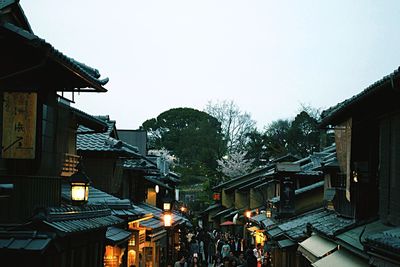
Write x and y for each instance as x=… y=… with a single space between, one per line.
x=267 y=56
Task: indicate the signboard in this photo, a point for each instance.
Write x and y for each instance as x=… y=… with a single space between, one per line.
x=343 y=148
x=19 y=125
x=287 y=201
x=217 y=196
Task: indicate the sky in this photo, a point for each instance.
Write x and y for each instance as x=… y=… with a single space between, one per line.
x=269 y=57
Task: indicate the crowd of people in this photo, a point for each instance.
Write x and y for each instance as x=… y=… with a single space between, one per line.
x=221 y=249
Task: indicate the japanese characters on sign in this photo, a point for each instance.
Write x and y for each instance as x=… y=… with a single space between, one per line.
x=19 y=125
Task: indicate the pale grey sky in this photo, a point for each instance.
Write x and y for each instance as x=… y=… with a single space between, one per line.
x=267 y=56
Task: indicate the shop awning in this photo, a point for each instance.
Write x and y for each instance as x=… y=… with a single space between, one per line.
x=116 y=236
x=227 y=223
x=341 y=258
x=316 y=247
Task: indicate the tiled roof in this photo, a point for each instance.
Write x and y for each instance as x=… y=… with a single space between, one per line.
x=275 y=232
x=262 y=220
x=103 y=142
x=116 y=235
x=352 y=236
x=153 y=223
x=388 y=240
x=24 y=240
x=237 y=179
x=323 y=221
x=157 y=181
x=310 y=166
x=158 y=213
x=119 y=207
x=140 y=163
x=302 y=190
x=328 y=115
x=89 y=77
x=67 y=220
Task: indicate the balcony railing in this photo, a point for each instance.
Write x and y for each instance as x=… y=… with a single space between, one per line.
x=69 y=164
x=25 y=194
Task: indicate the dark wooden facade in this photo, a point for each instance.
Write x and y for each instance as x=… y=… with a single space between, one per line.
x=30 y=186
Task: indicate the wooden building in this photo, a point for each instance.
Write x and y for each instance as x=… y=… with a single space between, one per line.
x=38 y=135
x=365 y=184
x=103 y=156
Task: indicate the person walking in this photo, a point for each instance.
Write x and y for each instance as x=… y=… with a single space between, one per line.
x=226 y=248
x=251 y=260
x=181 y=262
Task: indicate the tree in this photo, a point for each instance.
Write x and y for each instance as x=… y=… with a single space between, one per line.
x=276 y=138
x=303 y=135
x=235 y=124
x=193 y=136
x=234 y=165
x=256 y=148
x=299 y=136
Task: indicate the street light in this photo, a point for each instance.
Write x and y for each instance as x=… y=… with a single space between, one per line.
x=167 y=202
x=268 y=213
x=167 y=219
x=183 y=209
x=248 y=214
x=167 y=206
x=79 y=182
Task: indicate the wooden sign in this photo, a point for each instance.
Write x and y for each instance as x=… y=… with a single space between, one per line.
x=19 y=125
x=287 y=201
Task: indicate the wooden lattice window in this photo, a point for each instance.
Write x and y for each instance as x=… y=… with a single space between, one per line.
x=69 y=164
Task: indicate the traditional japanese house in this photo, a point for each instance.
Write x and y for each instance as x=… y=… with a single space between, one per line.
x=118 y=238
x=364 y=184
x=236 y=195
x=38 y=137
x=148 y=185
x=158 y=243
x=103 y=156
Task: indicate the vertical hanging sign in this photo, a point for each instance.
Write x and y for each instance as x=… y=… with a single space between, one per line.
x=287 y=202
x=19 y=125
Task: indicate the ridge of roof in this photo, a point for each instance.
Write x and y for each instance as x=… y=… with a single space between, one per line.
x=89 y=74
x=329 y=114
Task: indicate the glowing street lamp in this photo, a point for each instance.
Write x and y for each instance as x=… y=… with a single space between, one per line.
x=247 y=214
x=167 y=203
x=167 y=207
x=268 y=213
x=167 y=219
x=79 y=182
